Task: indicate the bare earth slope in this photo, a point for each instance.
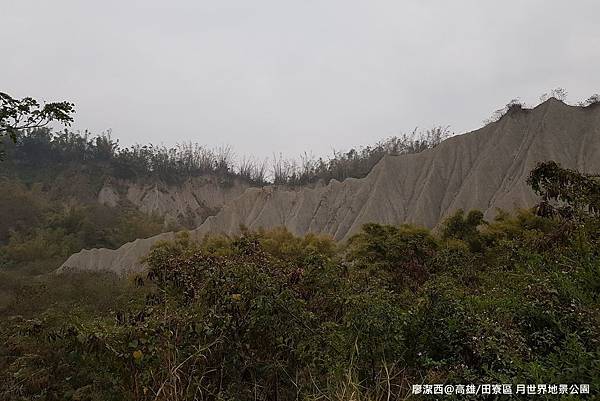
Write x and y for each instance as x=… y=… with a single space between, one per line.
x=189 y=203
x=485 y=169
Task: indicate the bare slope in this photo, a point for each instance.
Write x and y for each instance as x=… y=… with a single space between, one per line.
x=189 y=203
x=485 y=169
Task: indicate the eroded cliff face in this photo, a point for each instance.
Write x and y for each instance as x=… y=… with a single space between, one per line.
x=485 y=169
x=188 y=204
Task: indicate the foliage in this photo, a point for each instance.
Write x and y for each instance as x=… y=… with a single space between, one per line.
x=590 y=101
x=511 y=107
x=354 y=163
x=41 y=148
x=557 y=93
x=464 y=228
x=37 y=151
x=400 y=255
x=564 y=192
x=16 y=115
x=38 y=232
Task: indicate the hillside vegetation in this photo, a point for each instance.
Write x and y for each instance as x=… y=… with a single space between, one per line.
x=49 y=186
x=485 y=169
x=41 y=155
x=270 y=316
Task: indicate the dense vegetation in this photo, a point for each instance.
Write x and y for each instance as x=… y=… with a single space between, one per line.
x=37 y=231
x=37 y=149
x=267 y=315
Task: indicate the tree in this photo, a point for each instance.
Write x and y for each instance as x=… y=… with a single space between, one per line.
x=565 y=193
x=27 y=113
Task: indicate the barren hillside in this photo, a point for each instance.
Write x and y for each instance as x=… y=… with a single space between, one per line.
x=189 y=203
x=485 y=169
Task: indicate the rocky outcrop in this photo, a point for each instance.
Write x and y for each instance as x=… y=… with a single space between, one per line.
x=485 y=169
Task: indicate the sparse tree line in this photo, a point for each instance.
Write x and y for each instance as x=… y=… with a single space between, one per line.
x=354 y=163
x=28 y=144
x=39 y=148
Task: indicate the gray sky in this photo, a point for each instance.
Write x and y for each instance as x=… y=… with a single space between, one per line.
x=287 y=76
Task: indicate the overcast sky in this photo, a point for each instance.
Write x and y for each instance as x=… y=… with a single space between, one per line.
x=288 y=76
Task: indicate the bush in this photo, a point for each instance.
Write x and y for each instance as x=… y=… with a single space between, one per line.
x=400 y=256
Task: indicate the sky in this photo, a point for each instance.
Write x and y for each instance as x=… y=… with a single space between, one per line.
x=283 y=76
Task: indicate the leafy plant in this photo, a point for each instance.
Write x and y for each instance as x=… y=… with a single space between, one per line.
x=24 y=114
